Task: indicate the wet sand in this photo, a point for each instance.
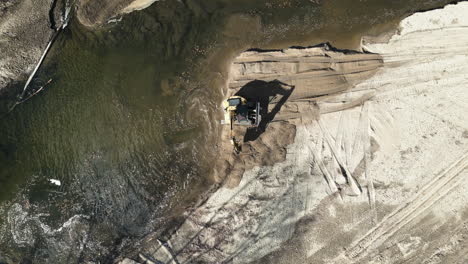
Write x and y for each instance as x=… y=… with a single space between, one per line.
x=25 y=30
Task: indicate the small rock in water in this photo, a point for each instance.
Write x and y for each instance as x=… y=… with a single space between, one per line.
x=56 y=182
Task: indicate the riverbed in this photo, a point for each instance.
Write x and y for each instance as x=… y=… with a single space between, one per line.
x=128 y=123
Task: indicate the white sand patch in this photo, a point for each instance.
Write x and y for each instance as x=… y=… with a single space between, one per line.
x=138 y=5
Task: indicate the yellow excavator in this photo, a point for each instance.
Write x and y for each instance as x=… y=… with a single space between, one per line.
x=239 y=111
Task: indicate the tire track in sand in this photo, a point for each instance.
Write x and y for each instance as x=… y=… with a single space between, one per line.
x=437 y=188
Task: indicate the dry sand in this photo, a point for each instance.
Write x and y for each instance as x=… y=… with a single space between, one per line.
x=377 y=172
x=138 y=5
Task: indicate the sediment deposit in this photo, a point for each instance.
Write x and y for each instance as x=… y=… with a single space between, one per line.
x=377 y=172
x=97 y=13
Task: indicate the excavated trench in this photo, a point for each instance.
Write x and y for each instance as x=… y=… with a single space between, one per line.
x=289 y=84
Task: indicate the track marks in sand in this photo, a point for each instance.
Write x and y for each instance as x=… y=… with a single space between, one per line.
x=348 y=150
x=364 y=127
x=317 y=154
x=430 y=193
x=355 y=188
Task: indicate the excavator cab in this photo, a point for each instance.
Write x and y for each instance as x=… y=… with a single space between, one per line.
x=239 y=111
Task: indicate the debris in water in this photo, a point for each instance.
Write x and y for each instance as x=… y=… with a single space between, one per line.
x=56 y=182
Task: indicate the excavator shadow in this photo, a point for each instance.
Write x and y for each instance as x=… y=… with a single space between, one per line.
x=272 y=95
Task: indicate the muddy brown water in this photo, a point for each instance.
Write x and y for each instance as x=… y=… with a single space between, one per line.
x=129 y=121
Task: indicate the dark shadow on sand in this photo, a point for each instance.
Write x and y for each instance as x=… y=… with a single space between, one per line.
x=266 y=93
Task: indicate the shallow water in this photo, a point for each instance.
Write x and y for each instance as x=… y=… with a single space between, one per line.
x=128 y=123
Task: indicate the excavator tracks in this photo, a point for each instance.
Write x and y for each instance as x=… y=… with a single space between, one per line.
x=430 y=193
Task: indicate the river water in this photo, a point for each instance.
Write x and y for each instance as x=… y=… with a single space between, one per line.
x=128 y=123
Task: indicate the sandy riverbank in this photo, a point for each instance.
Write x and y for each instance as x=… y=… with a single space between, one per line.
x=376 y=173
x=25 y=30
